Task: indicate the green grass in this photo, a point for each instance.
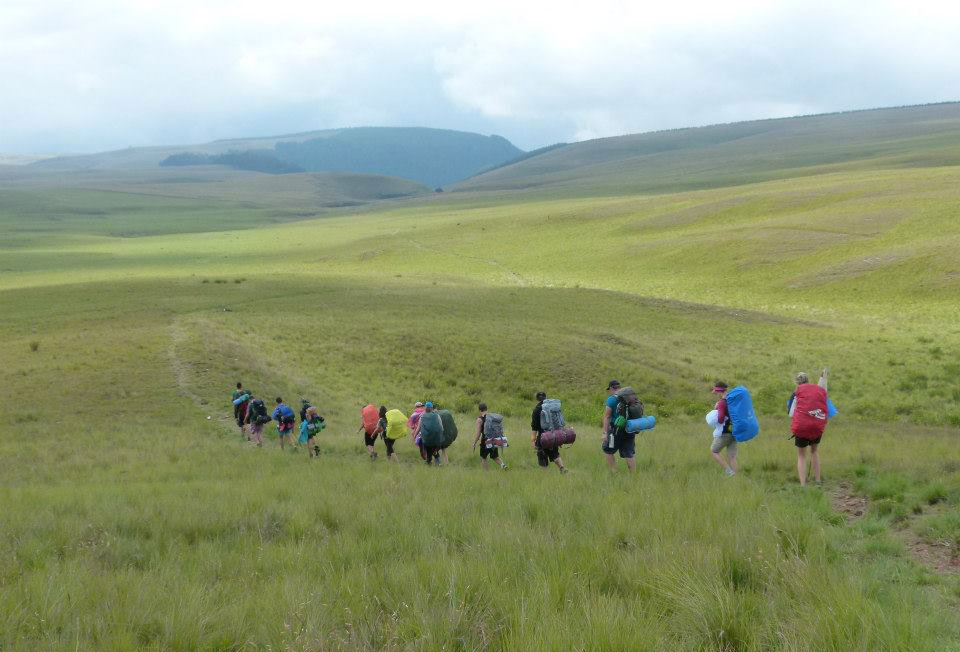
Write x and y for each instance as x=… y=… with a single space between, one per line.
x=131 y=520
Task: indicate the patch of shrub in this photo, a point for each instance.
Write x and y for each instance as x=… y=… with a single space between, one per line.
x=34 y=345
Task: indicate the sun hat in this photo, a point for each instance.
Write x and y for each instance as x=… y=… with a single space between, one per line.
x=418 y=404
x=428 y=404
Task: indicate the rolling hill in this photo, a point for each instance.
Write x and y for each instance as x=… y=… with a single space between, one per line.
x=135 y=515
x=737 y=153
x=433 y=157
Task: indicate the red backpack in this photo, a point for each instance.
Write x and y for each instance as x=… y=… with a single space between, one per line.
x=371 y=415
x=810 y=413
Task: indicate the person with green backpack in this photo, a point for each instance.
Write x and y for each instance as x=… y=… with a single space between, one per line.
x=311 y=425
x=430 y=430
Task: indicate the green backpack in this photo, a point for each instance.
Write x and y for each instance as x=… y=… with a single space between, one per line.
x=449 y=427
x=431 y=430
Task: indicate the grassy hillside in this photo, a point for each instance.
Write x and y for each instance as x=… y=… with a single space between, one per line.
x=133 y=515
x=731 y=154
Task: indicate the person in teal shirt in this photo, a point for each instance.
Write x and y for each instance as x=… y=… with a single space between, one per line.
x=309 y=428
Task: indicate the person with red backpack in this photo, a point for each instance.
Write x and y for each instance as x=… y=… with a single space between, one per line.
x=808 y=419
x=371 y=419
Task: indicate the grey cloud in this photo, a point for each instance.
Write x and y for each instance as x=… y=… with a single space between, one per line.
x=105 y=73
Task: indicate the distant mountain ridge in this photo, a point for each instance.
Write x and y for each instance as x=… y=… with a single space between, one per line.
x=433 y=157
x=735 y=153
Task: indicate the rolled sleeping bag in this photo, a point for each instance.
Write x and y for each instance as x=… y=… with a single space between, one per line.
x=241 y=399
x=713 y=422
x=643 y=423
x=559 y=437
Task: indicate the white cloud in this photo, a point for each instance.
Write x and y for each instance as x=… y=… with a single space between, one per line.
x=112 y=73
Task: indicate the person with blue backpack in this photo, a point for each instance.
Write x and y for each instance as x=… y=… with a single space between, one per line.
x=285 y=418
x=736 y=423
x=723 y=435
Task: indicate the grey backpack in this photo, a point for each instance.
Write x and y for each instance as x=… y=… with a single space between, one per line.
x=493 y=426
x=551 y=416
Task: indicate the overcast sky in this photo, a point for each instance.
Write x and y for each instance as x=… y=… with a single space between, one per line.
x=89 y=75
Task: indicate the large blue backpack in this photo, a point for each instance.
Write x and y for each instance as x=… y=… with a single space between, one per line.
x=743 y=420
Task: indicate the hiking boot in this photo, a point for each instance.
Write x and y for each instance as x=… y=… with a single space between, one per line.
x=373 y=456
x=729 y=473
x=503 y=467
x=563 y=469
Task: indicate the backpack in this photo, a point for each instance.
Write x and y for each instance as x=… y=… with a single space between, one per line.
x=258 y=412
x=743 y=420
x=370 y=418
x=287 y=417
x=493 y=426
x=811 y=412
x=449 y=427
x=304 y=406
x=629 y=406
x=431 y=430
x=551 y=415
x=396 y=424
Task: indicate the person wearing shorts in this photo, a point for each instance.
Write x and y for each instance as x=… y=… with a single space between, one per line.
x=724 y=439
x=382 y=431
x=285 y=418
x=544 y=455
x=804 y=440
x=624 y=443
x=311 y=425
x=255 y=427
x=486 y=450
x=240 y=410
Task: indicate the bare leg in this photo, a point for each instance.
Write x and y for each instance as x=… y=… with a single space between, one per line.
x=802 y=466
x=722 y=462
x=815 y=462
x=631 y=464
x=443 y=454
x=559 y=463
x=611 y=461
x=732 y=460
x=483 y=461
x=283 y=439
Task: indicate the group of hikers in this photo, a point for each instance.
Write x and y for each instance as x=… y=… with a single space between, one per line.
x=433 y=430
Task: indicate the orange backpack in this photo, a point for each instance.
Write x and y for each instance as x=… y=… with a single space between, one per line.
x=371 y=415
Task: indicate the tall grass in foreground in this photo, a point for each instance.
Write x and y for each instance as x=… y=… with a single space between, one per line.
x=253 y=548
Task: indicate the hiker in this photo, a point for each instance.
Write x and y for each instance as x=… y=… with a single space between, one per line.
x=285 y=419
x=418 y=410
x=487 y=447
x=256 y=417
x=544 y=455
x=369 y=427
x=430 y=431
x=395 y=423
x=723 y=432
x=449 y=435
x=240 y=399
x=312 y=424
x=616 y=439
x=809 y=413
